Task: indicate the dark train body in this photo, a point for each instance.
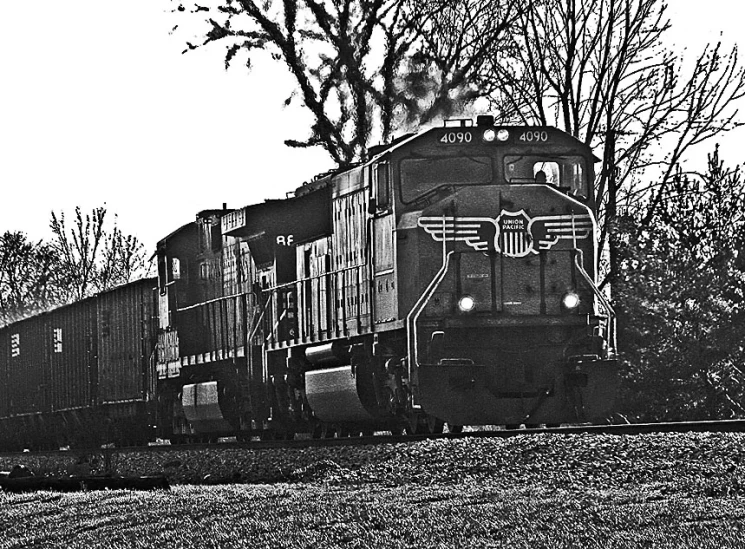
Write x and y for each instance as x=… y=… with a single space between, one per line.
x=447 y=280
x=81 y=374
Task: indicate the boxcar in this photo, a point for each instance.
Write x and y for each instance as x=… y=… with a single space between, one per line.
x=81 y=373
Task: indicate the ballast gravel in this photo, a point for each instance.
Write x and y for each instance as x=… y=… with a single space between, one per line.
x=692 y=464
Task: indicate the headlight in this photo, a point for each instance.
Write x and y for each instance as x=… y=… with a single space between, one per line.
x=503 y=135
x=570 y=301
x=490 y=135
x=466 y=303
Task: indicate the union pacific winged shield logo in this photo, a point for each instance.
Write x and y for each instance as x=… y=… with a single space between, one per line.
x=513 y=234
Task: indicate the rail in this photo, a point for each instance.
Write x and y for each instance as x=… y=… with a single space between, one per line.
x=306 y=441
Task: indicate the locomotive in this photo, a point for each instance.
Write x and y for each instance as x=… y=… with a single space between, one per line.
x=449 y=280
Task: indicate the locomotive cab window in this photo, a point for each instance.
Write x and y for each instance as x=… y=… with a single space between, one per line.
x=566 y=173
x=420 y=176
x=546 y=172
x=169 y=270
x=381 y=186
x=176 y=268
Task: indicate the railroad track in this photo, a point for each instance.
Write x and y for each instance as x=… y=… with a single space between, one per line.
x=732 y=426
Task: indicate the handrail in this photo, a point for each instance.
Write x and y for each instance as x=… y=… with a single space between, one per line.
x=257 y=323
x=214 y=300
x=417 y=309
x=316 y=277
x=612 y=343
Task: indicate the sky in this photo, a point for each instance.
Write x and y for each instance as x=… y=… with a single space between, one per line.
x=99 y=107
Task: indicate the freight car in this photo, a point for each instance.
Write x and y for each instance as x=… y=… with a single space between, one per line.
x=82 y=374
x=448 y=280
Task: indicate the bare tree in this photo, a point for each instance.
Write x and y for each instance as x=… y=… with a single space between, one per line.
x=124 y=259
x=357 y=62
x=91 y=259
x=78 y=249
x=456 y=40
x=598 y=69
x=328 y=47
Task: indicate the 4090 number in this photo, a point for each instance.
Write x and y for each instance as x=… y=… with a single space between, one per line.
x=534 y=136
x=452 y=138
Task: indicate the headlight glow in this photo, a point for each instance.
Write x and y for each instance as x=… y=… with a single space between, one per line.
x=570 y=301
x=490 y=135
x=503 y=135
x=466 y=303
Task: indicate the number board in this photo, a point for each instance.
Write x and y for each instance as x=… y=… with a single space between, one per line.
x=461 y=137
x=457 y=137
x=533 y=136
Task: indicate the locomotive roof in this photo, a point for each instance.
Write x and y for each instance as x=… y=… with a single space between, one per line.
x=163 y=242
x=557 y=137
x=261 y=218
x=558 y=140
x=274 y=217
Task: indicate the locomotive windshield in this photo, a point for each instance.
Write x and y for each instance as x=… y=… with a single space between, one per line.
x=565 y=172
x=421 y=175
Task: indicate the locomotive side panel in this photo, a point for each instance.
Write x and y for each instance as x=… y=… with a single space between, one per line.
x=175 y=254
x=350 y=250
x=315 y=303
x=385 y=297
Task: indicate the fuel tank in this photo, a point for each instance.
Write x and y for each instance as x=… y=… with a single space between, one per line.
x=334 y=396
x=202 y=408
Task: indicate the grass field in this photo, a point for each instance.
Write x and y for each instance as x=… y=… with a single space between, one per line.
x=304 y=516
x=596 y=492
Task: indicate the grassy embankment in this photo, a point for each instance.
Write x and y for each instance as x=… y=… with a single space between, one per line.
x=528 y=491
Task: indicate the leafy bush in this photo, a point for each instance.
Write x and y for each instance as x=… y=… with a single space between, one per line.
x=679 y=291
